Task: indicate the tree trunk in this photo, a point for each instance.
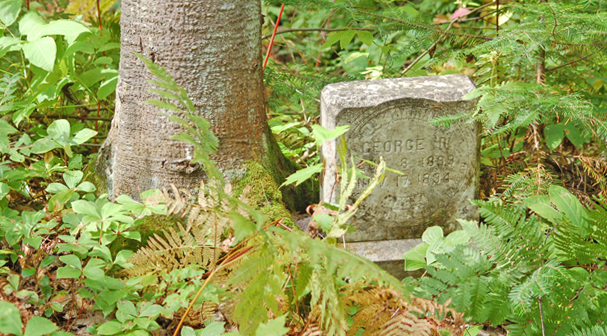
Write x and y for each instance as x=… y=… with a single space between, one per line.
x=213 y=49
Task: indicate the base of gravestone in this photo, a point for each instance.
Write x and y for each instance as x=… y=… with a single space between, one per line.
x=387 y=254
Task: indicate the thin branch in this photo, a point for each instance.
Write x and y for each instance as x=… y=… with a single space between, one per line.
x=539 y=300
x=425 y=27
x=295 y=30
x=572 y=62
x=432 y=47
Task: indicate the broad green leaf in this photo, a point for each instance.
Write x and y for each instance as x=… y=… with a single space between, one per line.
x=41 y=53
x=346 y=38
x=541 y=205
x=459 y=237
x=151 y=311
x=72 y=260
x=554 y=135
x=55 y=188
x=568 y=204
x=93 y=270
x=4 y=190
x=7 y=43
x=43 y=145
x=72 y=178
x=432 y=234
x=365 y=37
x=332 y=40
x=86 y=207
x=109 y=328
x=410 y=10
x=39 y=326
x=9 y=11
x=275 y=327
x=10 y=319
x=574 y=135
x=324 y=221
x=68 y=272
x=188 y=331
x=242 y=227
x=84 y=135
x=86 y=187
x=59 y=128
x=106 y=88
x=30 y=24
x=68 y=28
x=355 y=55
x=213 y=329
x=6 y=128
x=415 y=258
x=322 y=134
x=302 y=175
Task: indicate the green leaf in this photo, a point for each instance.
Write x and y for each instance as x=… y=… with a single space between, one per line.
x=188 y=331
x=554 y=135
x=365 y=37
x=410 y=10
x=324 y=221
x=10 y=318
x=109 y=328
x=355 y=55
x=574 y=135
x=59 y=128
x=84 y=135
x=86 y=207
x=86 y=187
x=4 y=190
x=30 y=24
x=213 y=329
x=72 y=178
x=68 y=28
x=93 y=269
x=346 y=38
x=39 y=326
x=72 y=260
x=68 y=272
x=332 y=40
x=274 y=327
x=43 y=145
x=152 y=311
x=9 y=11
x=41 y=53
x=55 y=188
x=242 y=227
x=568 y=204
x=432 y=234
x=322 y=134
x=302 y=175
x=541 y=206
x=107 y=88
x=415 y=258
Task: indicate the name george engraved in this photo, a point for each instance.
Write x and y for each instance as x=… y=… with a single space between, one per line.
x=433 y=163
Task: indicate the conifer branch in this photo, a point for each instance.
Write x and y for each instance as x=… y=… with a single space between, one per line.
x=572 y=62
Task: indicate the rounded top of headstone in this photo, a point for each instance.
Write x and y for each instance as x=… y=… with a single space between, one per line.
x=354 y=94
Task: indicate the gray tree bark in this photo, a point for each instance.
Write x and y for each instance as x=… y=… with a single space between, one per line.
x=213 y=49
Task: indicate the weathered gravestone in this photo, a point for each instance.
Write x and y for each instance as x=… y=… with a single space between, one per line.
x=390 y=118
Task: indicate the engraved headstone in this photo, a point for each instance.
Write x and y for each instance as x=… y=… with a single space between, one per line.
x=390 y=118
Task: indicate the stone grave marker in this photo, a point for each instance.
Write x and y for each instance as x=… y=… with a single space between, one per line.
x=389 y=118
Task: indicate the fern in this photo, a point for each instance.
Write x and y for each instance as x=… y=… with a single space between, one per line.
x=536 y=276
